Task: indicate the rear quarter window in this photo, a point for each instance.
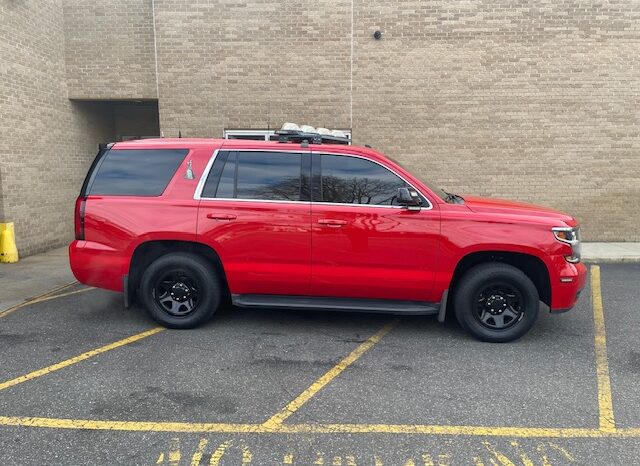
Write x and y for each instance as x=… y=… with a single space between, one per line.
x=124 y=172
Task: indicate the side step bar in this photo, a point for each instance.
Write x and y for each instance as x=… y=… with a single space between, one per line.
x=321 y=303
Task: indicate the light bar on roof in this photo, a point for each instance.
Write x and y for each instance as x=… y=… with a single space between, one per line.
x=307 y=129
x=290 y=127
x=291 y=132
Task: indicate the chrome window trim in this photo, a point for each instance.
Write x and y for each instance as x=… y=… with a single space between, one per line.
x=205 y=174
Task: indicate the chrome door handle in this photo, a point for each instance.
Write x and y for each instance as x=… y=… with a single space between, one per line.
x=221 y=216
x=332 y=222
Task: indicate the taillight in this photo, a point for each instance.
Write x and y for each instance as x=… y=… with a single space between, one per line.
x=79 y=218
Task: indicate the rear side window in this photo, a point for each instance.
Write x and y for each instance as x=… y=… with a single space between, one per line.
x=135 y=172
x=275 y=176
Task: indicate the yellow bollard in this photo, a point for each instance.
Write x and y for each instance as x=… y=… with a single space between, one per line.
x=8 y=249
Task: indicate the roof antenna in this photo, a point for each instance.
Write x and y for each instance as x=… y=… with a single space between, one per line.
x=179 y=134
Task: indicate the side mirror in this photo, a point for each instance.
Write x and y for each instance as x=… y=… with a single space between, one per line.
x=409 y=198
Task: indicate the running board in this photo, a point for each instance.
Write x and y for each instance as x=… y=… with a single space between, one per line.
x=321 y=303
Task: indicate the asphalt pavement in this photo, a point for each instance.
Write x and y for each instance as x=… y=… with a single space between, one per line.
x=85 y=381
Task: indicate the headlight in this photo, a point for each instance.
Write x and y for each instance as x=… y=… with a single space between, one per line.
x=570 y=236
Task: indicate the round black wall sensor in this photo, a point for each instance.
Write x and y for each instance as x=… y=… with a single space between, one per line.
x=377 y=35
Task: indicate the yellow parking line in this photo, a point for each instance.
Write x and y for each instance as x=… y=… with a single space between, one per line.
x=275 y=424
x=61 y=295
x=202 y=428
x=605 y=403
x=278 y=418
x=37 y=299
x=499 y=431
x=45 y=297
x=79 y=358
x=131 y=426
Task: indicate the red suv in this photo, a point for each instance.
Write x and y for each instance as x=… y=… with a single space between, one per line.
x=184 y=225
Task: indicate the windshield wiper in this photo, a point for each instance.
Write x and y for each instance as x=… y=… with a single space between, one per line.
x=453 y=198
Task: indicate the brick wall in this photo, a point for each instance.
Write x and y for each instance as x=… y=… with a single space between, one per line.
x=252 y=64
x=109 y=49
x=46 y=141
x=536 y=101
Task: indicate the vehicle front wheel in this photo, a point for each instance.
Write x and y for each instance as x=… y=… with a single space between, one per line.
x=180 y=290
x=496 y=302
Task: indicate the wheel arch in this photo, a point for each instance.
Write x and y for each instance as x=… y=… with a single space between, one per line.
x=532 y=266
x=147 y=252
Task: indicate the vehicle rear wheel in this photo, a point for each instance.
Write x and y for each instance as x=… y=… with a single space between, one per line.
x=180 y=290
x=496 y=302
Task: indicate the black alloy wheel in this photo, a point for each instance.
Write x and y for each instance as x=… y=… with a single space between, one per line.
x=499 y=306
x=181 y=290
x=177 y=292
x=496 y=302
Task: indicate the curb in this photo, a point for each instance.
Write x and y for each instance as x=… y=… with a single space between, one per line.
x=611 y=260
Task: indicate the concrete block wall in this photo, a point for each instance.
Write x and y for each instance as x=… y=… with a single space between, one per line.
x=47 y=141
x=536 y=101
x=252 y=64
x=109 y=49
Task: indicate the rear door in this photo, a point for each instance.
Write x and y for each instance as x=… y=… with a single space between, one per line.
x=255 y=212
x=364 y=244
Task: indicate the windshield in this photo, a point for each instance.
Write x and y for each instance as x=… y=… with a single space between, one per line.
x=441 y=193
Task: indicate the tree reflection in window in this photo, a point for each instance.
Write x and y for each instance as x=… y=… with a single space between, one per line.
x=351 y=180
x=261 y=175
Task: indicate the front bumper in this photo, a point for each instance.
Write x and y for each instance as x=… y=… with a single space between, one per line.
x=567 y=287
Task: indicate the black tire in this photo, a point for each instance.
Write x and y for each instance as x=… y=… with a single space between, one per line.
x=496 y=302
x=180 y=290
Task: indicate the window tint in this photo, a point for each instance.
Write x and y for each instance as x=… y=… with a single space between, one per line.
x=257 y=175
x=351 y=180
x=268 y=176
x=136 y=172
x=227 y=185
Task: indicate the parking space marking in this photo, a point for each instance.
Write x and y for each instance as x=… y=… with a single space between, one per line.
x=605 y=403
x=79 y=358
x=202 y=428
x=45 y=297
x=275 y=424
x=278 y=418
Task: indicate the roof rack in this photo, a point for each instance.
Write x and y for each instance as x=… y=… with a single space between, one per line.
x=312 y=138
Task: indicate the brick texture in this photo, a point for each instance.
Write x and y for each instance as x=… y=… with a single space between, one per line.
x=536 y=101
x=109 y=49
x=252 y=64
x=46 y=141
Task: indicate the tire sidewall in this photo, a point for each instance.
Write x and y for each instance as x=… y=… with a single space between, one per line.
x=480 y=276
x=210 y=294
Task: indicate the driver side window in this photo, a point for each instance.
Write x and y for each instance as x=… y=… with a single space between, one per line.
x=353 y=180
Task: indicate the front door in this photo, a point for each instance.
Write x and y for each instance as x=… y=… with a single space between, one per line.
x=364 y=244
x=255 y=212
